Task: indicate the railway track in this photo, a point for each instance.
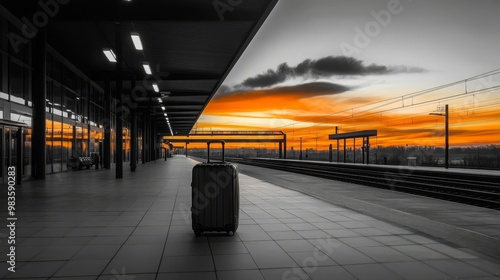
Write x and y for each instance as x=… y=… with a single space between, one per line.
x=479 y=190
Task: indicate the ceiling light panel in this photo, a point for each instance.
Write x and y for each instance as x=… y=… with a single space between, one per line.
x=147 y=69
x=109 y=54
x=137 y=41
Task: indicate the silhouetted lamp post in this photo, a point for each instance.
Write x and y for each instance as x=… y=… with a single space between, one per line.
x=446 y=139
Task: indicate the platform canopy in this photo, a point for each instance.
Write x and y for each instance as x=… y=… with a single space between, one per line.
x=190 y=45
x=356 y=134
x=229 y=137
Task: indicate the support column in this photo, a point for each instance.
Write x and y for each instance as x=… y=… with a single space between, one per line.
x=107 y=126
x=284 y=146
x=354 y=151
x=338 y=154
x=39 y=90
x=345 y=159
x=368 y=150
x=363 y=150
x=119 y=109
x=280 y=153
x=148 y=142
x=152 y=138
x=144 y=133
x=133 y=141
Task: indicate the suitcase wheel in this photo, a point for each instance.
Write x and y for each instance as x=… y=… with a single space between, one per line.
x=197 y=233
x=230 y=233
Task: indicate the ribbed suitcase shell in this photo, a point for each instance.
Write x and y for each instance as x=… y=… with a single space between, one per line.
x=215 y=197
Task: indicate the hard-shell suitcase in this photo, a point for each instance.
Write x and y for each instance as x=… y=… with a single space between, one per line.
x=215 y=196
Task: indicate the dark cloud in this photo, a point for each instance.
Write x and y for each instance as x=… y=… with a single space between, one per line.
x=322 y=68
x=315 y=88
x=306 y=89
x=271 y=77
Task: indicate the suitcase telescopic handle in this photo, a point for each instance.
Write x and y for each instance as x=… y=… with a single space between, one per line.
x=223 y=149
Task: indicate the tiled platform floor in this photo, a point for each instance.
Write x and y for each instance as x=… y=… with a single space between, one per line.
x=88 y=225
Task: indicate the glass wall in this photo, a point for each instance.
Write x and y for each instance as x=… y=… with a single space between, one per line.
x=48 y=145
x=96 y=137
x=57 y=146
x=15 y=69
x=27 y=134
x=76 y=104
x=15 y=88
x=67 y=144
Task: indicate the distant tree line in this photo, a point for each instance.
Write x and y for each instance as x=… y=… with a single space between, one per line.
x=484 y=157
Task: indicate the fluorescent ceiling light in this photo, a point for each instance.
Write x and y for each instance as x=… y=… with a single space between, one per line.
x=147 y=69
x=109 y=54
x=137 y=41
x=163 y=108
x=159 y=100
x=165 y=114
x=155 y=87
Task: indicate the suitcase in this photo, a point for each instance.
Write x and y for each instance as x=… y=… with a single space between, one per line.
x=215 y=196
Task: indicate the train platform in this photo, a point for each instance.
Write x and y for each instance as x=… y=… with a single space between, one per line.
x=88 y=225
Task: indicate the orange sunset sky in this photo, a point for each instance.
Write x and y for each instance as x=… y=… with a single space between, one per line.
x=474 y=120
x=297 y=76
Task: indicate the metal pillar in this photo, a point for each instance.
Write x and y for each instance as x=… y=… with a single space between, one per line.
x=107 y=126
x=133 y=141
x=39 y=87
x=368 y=150
x=144 y=133
x=280 y=153
x=153 y=141
x=344 y=152
x=363 y=147
x=284 y=146
x=119 y=111
x=338 y=152
x=354 y=151
x=149 y=137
